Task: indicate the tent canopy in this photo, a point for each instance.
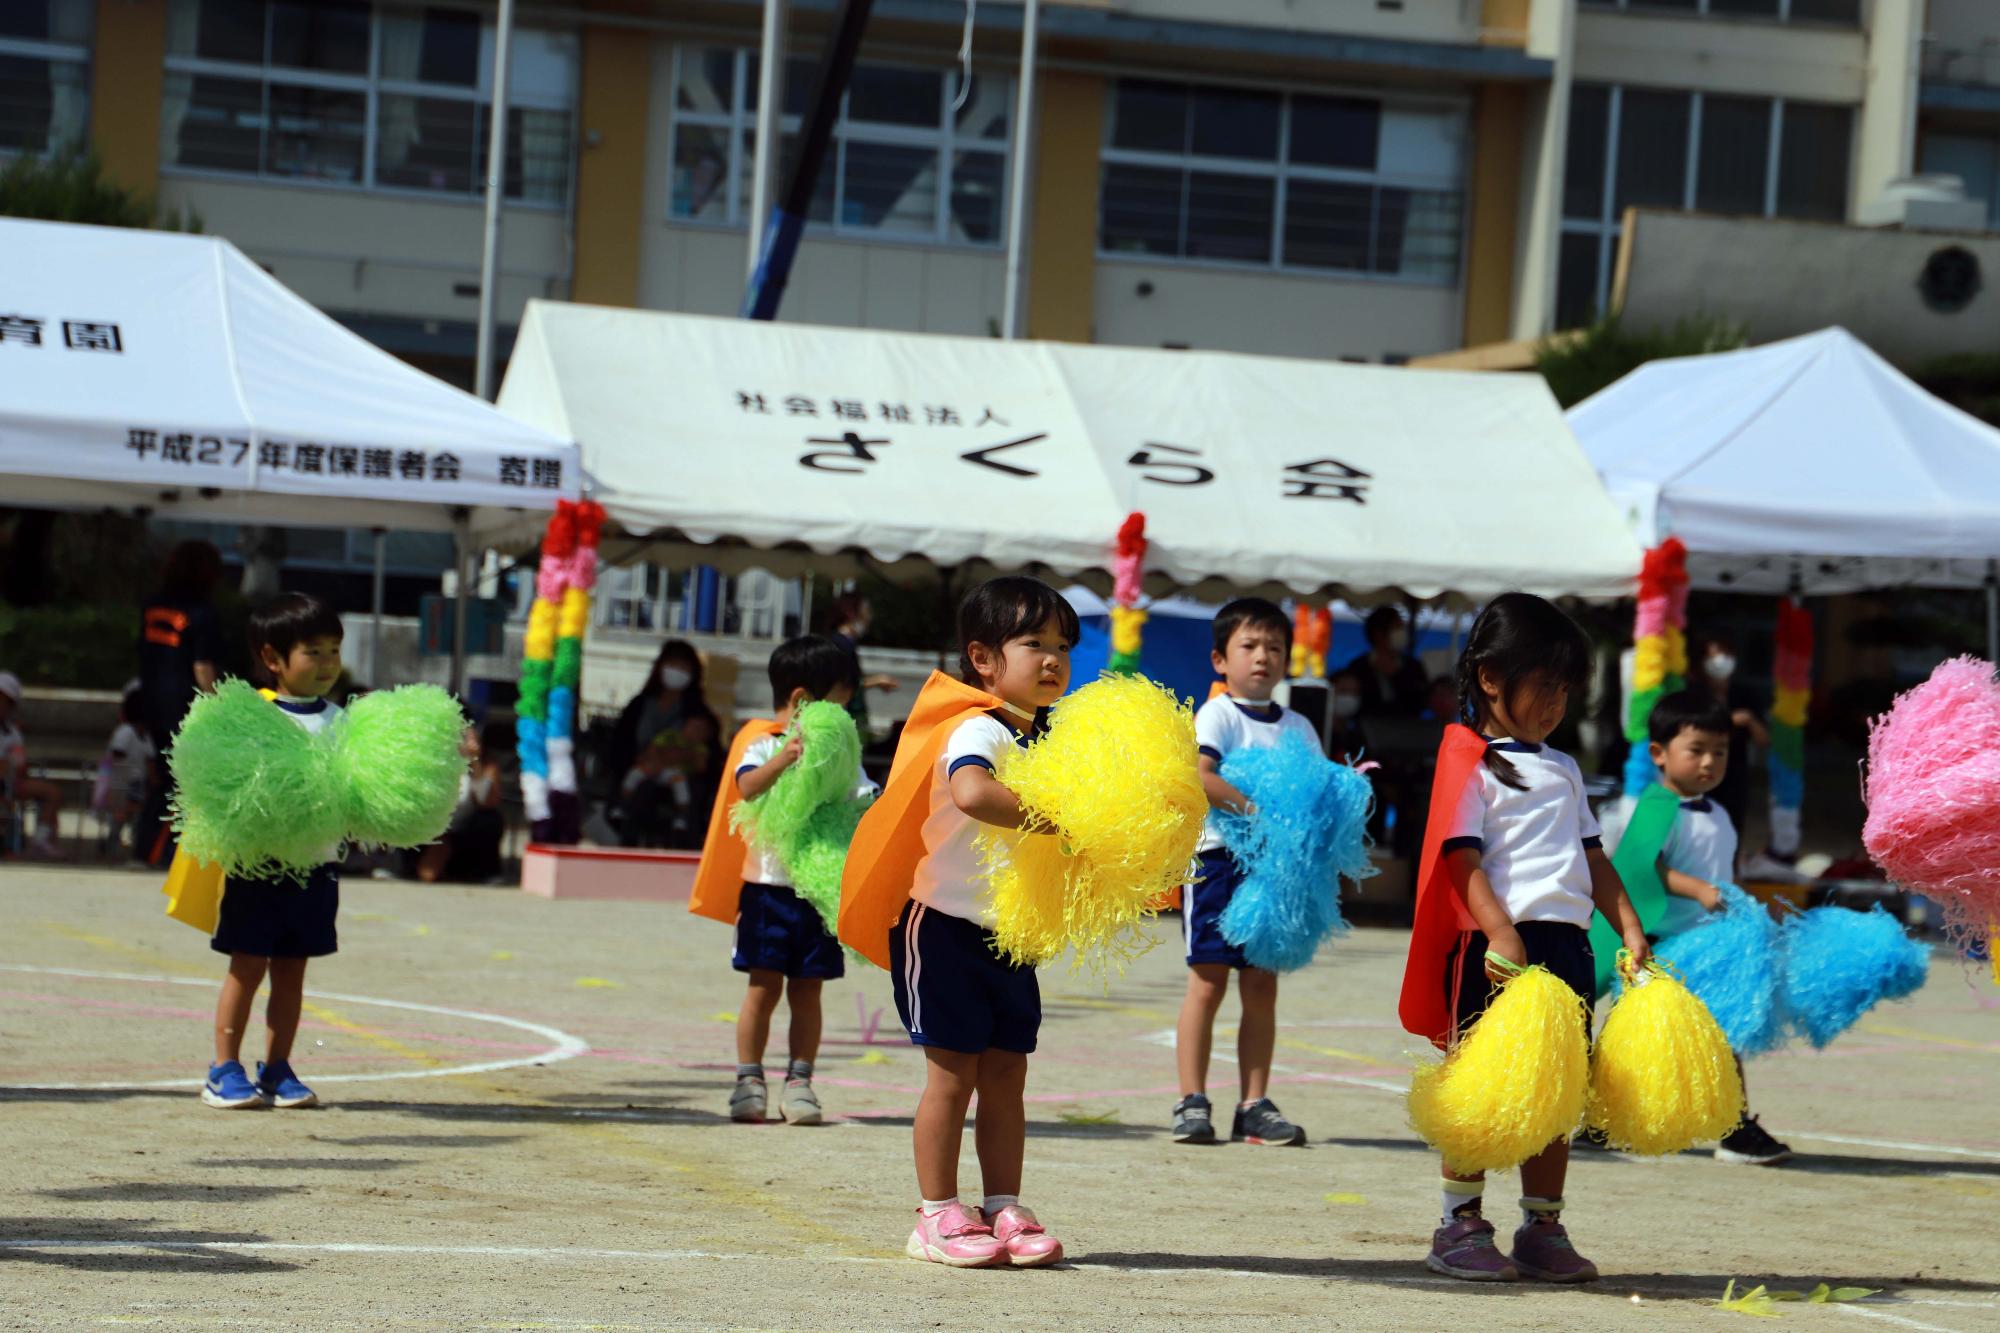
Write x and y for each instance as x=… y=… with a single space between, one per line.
x=144 y=370
x=783 y=445
x=1809 y=464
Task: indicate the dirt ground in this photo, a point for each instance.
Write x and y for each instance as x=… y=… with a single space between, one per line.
x=525 y=1129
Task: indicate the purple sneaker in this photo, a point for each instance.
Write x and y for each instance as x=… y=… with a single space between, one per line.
x=1466 y=1249
x=1542 y=1250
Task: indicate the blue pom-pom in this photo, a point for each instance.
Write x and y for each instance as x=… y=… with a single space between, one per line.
x=1840 y=963
x=562 y=711
x=1640 y=772
x=1788 y=786
x=1309 y=829
x=1730 y=960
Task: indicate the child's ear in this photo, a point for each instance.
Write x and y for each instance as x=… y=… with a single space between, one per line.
x=799 y=695
x=1659 y=753
x=1489 y=683
x=1217 y=661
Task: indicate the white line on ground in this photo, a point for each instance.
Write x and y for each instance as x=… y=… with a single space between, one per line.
x=1897 y=1144
x=564 y=1046
x=1863 y=1312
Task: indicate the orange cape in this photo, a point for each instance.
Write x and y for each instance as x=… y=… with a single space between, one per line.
x=889 y=842
x=1441 y=917
x=718 y=879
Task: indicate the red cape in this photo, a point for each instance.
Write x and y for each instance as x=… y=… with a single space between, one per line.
x=1441 y=918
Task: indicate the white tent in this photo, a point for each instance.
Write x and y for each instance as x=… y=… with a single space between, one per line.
x=779 y=445
x=144 y=370
x=1810 y=464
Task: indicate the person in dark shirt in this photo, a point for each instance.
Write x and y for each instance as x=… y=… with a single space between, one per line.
x=180 y=641
x=849 y=621
x=1714 y=679
x=1393 y=683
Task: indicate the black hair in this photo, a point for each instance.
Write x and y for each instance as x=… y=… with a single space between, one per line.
x=1006 y=608
x=1381 y=618
x=495 y=740
x=1520 y=638
x=285 y=622
x=1254 y=611
x=811 y=662
x=846 y=609
x=1684 y=710
x=683 y=649
x=191 y=572
x=132 y=708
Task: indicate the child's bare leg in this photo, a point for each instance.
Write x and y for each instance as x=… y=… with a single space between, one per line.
x=281 y=1011
x=1001 y=1133
x=940 y=1122
x=432 y=861
x=802 y=993
x=1543 y=1174
x=753 y=1025
x=1257 y=1033
x=232 y=1010
x=1195 y=1035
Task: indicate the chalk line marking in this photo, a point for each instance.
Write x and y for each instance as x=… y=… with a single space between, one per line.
x=563 y=1045
x=1897 y=1144
x=1863 y=1312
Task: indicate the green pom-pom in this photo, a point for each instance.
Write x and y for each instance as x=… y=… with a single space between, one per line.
x=256 y=794
x=397 y=765
x=534 y=700
x=819 y=855
x=824 y=772
x=569 y=662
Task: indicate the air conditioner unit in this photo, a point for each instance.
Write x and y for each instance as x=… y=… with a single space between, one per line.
x=1924 y=203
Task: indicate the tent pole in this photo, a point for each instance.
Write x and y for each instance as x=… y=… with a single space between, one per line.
x=1021 y=176
x=496 y=187
x=375 y=637
x=461 y=536
x=806 y=604
x=770 y=110
x=1993 y=610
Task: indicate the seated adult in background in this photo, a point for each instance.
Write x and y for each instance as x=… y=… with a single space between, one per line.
x=1443 y=705
x=1393 y=683
x=469 y=851
x=849 y=621
x=180 y=642
x=665 y=754
x=15 y=784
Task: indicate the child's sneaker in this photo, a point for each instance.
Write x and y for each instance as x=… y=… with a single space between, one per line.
x=1465 y=1249
x=1749 y=1144
x=1021 y=1237
x=957 y=1237
x=801 y=1104
x=229 y=1088
x=1193 y=1120
x=747 y=1103
x=277 y=1084
x=1542 y=1250
x=1260 y=1122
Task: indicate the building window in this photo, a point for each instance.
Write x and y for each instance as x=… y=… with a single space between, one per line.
x=1974 y=159
x=1642 y=147
x=44 y=75
x=903 y=162
x=1283 y=180
x=346 y=94
x=1844 y=12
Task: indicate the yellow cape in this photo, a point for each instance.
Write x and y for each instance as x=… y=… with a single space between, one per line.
x=194 y=888
x=718 y=880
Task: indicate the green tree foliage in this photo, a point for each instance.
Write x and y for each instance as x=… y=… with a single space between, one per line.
x=71 y=187
x=1578 y=365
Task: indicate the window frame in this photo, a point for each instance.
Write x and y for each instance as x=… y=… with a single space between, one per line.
x=372 y=86
x=739 y=123
x=1653 y=9
x=1283 y=170
x=56 y=53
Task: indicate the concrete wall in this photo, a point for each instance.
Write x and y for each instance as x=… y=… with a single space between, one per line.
x=1717 y=54
x=1781 y=278
x=353 y=251
x=1279 y=314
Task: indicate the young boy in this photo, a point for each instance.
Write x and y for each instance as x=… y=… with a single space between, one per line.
x=1690 y=737
x=274 y=925
x=130 y=766
x=780 y=939
x=1253 y=641
x=16 y=785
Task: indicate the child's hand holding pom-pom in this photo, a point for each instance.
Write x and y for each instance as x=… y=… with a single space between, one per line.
x=1662 y=1078
x=1730 y=960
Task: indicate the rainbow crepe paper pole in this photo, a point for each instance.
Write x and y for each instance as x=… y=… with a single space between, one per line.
x=1659 y=644
x=1128 y=619
x=1793 y=673
x=1312 y=636
x=552 y=662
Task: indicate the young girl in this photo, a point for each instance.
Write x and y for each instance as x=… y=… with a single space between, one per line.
x=1512 y=869
x=914 y=899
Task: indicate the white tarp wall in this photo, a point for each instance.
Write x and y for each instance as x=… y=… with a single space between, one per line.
x=1254 y=472
x=151 y=370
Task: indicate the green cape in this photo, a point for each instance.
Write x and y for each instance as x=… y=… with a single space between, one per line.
x=1638 y=864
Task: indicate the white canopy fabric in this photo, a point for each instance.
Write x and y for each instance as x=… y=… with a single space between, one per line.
x=769 y=444
x=1808 y=464
x=150 y=370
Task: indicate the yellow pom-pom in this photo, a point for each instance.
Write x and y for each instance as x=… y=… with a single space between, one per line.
x=540 y=642
x=1649 y=662
x=1663 y=1078
x=1126 y=623
x=1115 y=778
x=575 y=615
x=1514 y=1084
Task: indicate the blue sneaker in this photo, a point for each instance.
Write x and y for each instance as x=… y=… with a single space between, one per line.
x=281 y=1087
x=229 y=1088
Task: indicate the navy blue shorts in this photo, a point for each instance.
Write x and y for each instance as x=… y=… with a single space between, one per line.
x=954 y=992
x=778 y=931
x=1563 y=949
x=1202 y=902
x=279 y=918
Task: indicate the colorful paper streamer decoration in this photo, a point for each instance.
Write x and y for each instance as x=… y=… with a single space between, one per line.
x=1128 y=568
x=552 y=658
x=1659 y=645
x=1792 y=672
x=1312 y=637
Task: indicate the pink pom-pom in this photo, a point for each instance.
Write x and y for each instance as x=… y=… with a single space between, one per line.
x=582 y=569
x=1934 y=795
x=1650 y=619
x=552 y=578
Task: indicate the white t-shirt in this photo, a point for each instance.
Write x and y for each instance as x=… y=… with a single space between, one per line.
x=129 y=753
x=315 y=715
x=760 y=866
x=1701 y=843
x=951 y=877
x=1531 y=842
x=1224 y=725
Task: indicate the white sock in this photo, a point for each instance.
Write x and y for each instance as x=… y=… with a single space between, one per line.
x=995 y=1202
x=1537 y=1209
x=1457 y=1194
x=932 y=1207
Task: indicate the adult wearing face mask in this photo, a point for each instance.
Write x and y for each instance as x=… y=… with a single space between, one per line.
x=1393 y=683
x=1714 y=677
x=665 y=754
x=850 y=618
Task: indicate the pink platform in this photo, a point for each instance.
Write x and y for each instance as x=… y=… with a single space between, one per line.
x=626 y=874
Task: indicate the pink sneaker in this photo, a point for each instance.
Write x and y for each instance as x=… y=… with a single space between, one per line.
x=955 y=1236
x=1022 y=1237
